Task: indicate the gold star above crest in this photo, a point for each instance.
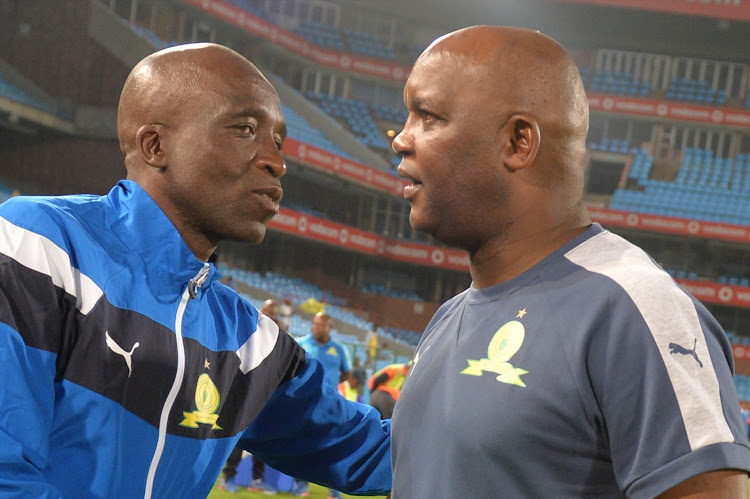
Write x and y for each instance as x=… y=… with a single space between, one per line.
x=206 y=364
x=521 y=313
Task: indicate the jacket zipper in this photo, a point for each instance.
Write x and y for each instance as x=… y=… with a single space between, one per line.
x=190 y=292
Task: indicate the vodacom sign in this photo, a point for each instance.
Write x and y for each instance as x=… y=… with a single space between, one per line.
x=727 y=9
x=351 y=238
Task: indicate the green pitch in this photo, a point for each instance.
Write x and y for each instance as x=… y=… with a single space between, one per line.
x=316 y=492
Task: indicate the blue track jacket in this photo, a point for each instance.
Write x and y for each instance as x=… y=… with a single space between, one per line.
x=128 y=370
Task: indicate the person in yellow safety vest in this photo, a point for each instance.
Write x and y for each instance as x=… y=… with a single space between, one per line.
x=351 y=388
x=392 y=375
x=385 y=386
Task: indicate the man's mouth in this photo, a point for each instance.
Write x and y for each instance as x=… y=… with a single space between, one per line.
x=412 y=187
x=410 y=190
x=271 y=197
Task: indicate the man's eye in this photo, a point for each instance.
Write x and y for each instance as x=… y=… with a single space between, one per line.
x=428 y=117
x=246 y=129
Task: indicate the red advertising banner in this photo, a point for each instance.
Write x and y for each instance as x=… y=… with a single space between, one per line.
x=359 y=172
x=725 y=9
x=243 y=19
x=721 y=294
x=741 y=352
x=742 y=363
x=326 y=231
x=670 y=110
x=670 y=225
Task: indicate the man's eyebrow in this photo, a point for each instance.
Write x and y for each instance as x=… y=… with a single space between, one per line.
x=253 y=112
x=420 y=102
x=259 y=112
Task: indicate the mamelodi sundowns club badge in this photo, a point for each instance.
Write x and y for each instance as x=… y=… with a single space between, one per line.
x=207 y=401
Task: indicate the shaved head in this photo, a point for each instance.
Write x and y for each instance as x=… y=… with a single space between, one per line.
x=159 y=86
x=269 y=309
x=321 y=327
x=528 y=72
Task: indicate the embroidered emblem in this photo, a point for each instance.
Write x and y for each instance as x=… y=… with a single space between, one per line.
x=503 y=346
x=332 y=352
x=207 y=401
x=112 y=344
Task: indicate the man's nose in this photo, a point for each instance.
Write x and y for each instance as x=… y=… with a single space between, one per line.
x=272 y=161
x=401 y=143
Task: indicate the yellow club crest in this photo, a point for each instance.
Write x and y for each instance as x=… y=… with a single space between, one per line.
x=207 y=400
x=503 y=346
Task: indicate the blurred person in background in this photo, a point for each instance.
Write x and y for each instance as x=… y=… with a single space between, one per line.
x=285 y=314
x=128 y=369
x=371 y=342
x=573 y=366
x=332 y=354
x=385 y=387
x=353 y=387
x=335 y=358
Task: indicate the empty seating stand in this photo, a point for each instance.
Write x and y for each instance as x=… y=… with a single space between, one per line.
x=356 y=117
x=322 y=35
x=369 y=45
x=695 y=91
x=12 y=92
x=347 y=40
x=299 y=128
x=705 y=188
x=254 y=8
x=394 y=293
x=612 y=82
x=612 y=145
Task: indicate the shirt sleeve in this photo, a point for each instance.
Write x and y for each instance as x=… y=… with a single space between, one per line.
x=307 y=430
x=33 y=312
x=662 y=375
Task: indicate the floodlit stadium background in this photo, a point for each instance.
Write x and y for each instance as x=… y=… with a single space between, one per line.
x=669 y=146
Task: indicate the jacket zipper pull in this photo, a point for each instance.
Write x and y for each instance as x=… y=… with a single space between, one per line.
x=196 y=282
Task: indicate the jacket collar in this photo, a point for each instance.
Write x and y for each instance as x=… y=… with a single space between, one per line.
x=145 y=229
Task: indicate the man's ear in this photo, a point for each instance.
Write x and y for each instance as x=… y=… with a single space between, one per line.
x=521 y=139
x=149 y=141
